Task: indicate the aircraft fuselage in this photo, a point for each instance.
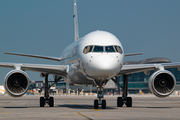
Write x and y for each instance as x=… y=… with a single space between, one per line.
x=97 y=56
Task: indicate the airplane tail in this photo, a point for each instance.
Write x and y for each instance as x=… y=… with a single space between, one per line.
x=75 y=22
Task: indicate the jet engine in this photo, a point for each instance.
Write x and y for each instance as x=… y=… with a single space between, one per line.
x=162 y=83
x=16 y=83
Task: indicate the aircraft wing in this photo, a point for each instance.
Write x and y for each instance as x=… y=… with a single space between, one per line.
x=36 y=56
x=135 y=68
x=42 y=68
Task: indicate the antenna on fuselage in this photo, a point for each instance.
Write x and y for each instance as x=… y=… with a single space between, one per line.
x=75 y=22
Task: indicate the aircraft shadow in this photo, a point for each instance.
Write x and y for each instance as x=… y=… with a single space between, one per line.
x=154 y=107
x=15 y=107
x=82 y=106
x=72 y=106
x=87 y=107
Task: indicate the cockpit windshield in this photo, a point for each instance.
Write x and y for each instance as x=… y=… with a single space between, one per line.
x=88 y=49
x=98 y=49
x=106 y=49
x=109 y=49
x=118 y=49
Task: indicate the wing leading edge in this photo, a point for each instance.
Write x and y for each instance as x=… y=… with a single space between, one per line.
x=135 y=68
x=42 y=68
x=37 y=56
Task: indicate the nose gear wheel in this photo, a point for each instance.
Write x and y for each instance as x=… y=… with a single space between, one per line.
x=100 y=95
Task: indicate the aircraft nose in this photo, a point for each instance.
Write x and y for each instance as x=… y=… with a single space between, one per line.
x=105 y=66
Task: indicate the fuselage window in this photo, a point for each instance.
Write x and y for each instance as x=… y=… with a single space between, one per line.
x=109 y=49
x=98 y=49
x=118 y=49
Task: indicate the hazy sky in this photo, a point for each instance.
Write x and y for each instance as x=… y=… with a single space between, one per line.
x=45 y=27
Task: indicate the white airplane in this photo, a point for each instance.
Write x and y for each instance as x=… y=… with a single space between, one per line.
x=93 y=59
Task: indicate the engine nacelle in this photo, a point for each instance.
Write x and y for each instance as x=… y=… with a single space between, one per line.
x=162 y=83
x=16 y=83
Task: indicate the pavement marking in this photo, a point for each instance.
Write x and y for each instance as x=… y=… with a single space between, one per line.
x=5 y=112
x=84 y=116
x=70 y=115
x=80 y=114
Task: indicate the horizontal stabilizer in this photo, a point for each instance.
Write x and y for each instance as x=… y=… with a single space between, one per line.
x=133 y=54
x=36 y=56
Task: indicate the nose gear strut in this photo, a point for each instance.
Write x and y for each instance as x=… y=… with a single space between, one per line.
x=100 y=95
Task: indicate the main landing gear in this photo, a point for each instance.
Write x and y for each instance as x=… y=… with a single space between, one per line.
x=46 y=99
x=124 y=99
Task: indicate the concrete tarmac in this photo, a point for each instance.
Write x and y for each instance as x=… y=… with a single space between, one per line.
x=81 y=108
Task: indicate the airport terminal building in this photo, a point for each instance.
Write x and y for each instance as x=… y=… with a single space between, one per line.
x=137 y=82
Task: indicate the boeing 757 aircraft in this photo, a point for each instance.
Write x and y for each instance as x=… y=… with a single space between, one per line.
x=93 y=59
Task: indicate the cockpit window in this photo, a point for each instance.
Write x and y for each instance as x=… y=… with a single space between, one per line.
x=98 y=49
x=85 y=50
x=118 y=49
x=109 y=49
x=88 y=49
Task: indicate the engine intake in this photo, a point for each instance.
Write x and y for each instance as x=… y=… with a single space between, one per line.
x=162 y=83
x=16 y=83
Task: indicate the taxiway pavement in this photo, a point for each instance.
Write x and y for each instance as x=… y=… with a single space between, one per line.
x=81 y=108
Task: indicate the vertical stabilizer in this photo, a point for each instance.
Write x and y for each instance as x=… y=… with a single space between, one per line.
x=76 y=22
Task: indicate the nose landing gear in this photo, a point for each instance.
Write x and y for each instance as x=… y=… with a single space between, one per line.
x=100 y=96
x=120 y=100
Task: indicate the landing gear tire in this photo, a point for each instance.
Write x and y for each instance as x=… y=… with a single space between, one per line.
x=51 y=102
x=42 y=101
x=129 y=102
x=95 y=104
x=119 y=102
x=103 y=104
